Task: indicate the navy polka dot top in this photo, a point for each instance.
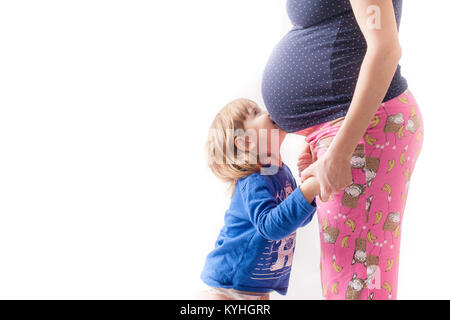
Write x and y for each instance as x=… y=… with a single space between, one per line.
x=312 y=72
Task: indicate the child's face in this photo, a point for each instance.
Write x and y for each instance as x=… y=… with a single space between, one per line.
x=260 y=120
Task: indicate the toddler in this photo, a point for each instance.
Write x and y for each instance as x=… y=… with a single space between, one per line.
x=253 y=253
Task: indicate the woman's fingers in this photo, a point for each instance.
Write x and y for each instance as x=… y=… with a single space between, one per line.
x=344 y=180
x=306 y=173
x=335 y=177
x=324 y=193
x=333 y=172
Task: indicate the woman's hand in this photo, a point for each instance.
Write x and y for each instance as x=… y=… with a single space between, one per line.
x=333 y=171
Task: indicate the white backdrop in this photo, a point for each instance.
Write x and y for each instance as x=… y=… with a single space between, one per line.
x=104 y=111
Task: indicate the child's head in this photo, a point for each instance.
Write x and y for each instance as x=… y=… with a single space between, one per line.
x=241 y=139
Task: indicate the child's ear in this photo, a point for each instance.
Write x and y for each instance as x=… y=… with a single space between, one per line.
x=239 y=142
x=244 y=143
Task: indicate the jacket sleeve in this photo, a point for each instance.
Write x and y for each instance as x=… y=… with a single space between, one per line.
x=275 y=221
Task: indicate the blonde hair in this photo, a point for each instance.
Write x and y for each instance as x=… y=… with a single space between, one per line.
x=233 y=163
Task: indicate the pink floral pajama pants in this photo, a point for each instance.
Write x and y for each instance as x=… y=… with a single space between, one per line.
x=360 y=227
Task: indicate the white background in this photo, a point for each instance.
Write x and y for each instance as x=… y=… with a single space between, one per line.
x=104 y=111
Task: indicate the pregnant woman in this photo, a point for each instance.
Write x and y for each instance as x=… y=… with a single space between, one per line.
x=335 y=79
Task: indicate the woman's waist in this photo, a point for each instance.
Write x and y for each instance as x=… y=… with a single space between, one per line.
x=395 y=109
x=329 y=126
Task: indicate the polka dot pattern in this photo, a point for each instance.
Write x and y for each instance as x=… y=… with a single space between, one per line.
x=311 y=74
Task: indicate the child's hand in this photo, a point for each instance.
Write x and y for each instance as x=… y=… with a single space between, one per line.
x=305 y=159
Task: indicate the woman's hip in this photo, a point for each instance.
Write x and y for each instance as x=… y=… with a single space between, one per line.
x=383 y=160
x=397 y=124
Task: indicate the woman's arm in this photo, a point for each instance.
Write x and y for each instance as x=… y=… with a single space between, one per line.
x=376 y=19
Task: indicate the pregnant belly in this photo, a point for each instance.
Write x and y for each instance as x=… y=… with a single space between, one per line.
x=304 y=73
x=299 y=68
